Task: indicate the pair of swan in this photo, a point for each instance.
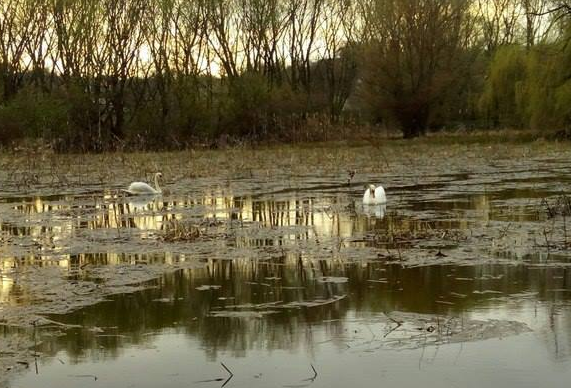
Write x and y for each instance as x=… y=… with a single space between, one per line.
x=142 y=188
x=374 y=195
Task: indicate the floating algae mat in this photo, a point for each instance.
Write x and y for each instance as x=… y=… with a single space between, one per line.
x=269 y=271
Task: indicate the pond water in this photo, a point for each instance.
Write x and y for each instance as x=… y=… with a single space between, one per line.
x=282 y=278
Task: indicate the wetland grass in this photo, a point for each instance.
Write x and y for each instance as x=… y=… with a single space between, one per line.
x=267 y=209
x=175 y=230
x=44 y=169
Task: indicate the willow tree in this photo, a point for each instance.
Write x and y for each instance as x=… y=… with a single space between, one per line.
x=415 y=58
x=18 y=30
x=501 y=101
x=530 y=85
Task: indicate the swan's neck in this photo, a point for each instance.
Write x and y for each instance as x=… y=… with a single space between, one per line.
x=157 y=187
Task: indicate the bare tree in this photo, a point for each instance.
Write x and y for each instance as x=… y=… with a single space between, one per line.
x=262 y=28
x=75 y=24
x=547 y=19
x=120 y=45
x=499 y=21
x=159 y=40
x=41 y=43
x=338 y=54
x=224 y=24
x=303 y=19
x=189 y=50
x=17 y=24
x=534 y=11
x=415 y=57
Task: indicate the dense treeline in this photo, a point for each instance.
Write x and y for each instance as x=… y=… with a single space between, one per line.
x=94 y=75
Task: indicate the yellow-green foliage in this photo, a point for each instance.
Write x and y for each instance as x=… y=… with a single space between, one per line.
x=536 y=99
x=529 y=88
x=563 y=91
x=547 y=97
x=502 y=91
x=563 y=102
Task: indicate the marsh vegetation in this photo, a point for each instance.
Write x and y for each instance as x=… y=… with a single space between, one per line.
x=265 y=260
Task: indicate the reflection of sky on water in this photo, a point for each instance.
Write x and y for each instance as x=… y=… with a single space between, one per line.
x=51 y=223
x=328 y=215
x=455 y=365
x=165 y=334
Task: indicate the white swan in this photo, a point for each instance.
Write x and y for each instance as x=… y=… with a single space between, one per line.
x=374 y=195
x=142 y=188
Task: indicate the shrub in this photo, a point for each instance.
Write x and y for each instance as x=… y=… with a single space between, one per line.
x=33 y=114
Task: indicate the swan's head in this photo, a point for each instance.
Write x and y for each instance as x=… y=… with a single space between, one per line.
x=372 y=190
x=158 y=178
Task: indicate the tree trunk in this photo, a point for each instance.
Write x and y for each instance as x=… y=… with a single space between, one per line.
x=413 y=120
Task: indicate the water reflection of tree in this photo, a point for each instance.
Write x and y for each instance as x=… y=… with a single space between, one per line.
x=311 y=221
x=406 y=289
x=44 y=218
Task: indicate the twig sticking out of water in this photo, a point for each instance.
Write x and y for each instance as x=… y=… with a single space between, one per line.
x=219 y=378
x=229 y=371
x=35 y=348
x=350 y=175
x=91 y=376
x=565 y=229
x=398 y=324
x=545 y=235
x=312 y=379
x=551 y=211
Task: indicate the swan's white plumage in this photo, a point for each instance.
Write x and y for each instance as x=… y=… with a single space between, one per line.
x=374 y=195
x=142 y=188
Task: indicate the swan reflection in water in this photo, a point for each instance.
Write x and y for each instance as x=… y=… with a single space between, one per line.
x=375 y=201
x=141 y=203
x=377 y=211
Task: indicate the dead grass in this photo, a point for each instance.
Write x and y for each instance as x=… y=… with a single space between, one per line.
x=560 y=206
x=30 y=170
x=175 y=230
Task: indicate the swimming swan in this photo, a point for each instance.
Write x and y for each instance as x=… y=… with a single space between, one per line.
x=142 y=188
x=374 y=196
